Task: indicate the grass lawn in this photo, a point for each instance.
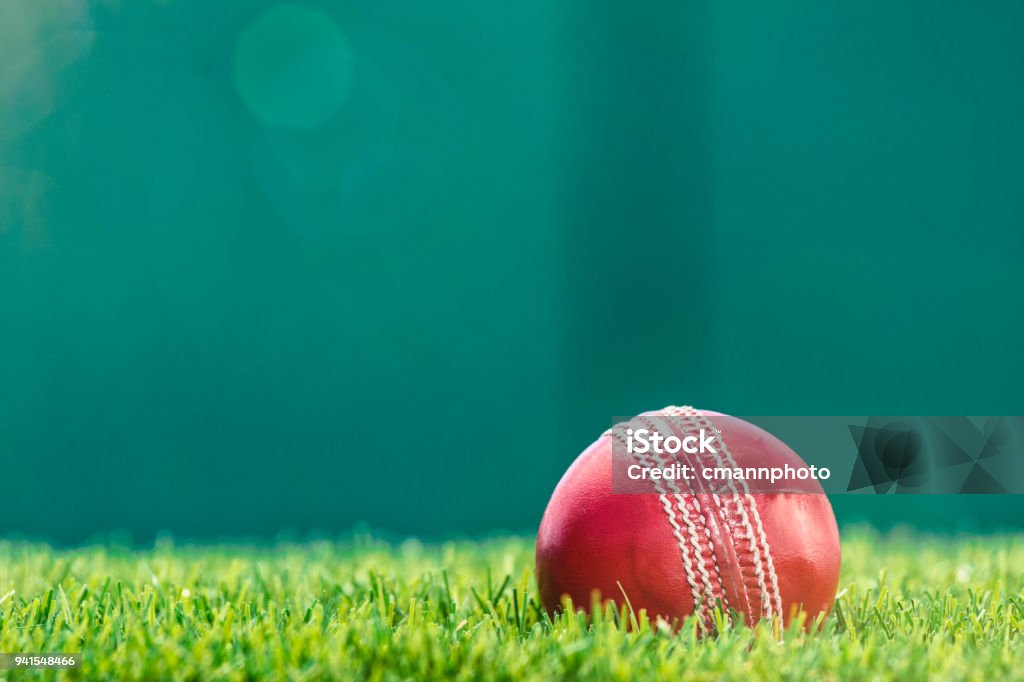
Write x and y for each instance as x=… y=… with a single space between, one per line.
x=909 y=608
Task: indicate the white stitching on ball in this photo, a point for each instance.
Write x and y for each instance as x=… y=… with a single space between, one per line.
x=677 y=531
x=771 y=599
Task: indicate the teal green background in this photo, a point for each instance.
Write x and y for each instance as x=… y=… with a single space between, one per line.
x=299 y=266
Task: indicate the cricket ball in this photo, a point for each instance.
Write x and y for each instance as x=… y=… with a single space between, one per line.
x=684 y=549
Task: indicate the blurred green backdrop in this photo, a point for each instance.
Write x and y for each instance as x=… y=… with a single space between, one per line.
x=273 y=266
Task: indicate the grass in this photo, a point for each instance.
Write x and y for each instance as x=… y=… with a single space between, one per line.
x=909 y=608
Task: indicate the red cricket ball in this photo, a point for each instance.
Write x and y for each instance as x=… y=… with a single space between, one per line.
x=679 y=550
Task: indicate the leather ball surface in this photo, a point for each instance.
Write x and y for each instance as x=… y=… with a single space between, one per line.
x=764 y=555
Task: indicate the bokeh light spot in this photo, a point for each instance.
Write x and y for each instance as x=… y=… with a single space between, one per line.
x=293 y=67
